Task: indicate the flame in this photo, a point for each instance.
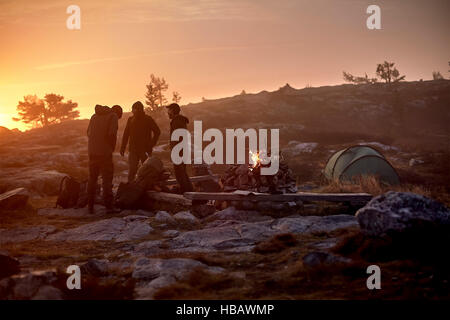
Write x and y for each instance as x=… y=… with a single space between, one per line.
x=255 y=158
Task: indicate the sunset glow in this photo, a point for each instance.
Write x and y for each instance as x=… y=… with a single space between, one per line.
x=206 y=49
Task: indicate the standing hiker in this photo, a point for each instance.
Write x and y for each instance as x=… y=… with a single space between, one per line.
x=143 y=133
x=102 y=135
x=177 y=121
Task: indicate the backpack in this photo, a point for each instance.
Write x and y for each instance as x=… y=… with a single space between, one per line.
x=83 y=195
x=69 y=190
x=150 y=172
x=128 y=195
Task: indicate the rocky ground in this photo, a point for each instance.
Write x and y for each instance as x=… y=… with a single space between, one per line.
x=232 y=254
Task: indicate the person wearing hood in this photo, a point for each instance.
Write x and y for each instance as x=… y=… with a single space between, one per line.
x=142 y=133
x=178 y=121
x=102 y=137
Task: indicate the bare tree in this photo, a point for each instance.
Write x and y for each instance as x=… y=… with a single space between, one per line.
x=358 y=80
x=43 y=112
x=155 y=95
x=387 y=72
x=151 y=97
x=176 y=97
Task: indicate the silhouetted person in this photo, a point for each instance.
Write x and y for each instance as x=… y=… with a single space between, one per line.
x=102 y=134
x=177 y=121
x=143 y=133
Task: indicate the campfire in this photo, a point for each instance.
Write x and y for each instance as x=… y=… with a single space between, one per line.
x=248 y=177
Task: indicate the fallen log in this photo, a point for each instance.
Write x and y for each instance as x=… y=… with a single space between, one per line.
x=169 y=197
x=194 y=179
x=353 y=198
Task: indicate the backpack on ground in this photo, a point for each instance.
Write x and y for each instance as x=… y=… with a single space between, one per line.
x=128 y=195
x=83 y=195
x=69 y=190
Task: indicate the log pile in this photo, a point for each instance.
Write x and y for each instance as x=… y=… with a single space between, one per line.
x=248 y=177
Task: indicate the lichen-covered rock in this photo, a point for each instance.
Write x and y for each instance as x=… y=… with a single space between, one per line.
x=399 y=211
x=164 y=217
x=153 y=274
x=73 y=212
x=310 y=224
x=48 y=293
x=322 y=259
x=231 y=213
x=185 y=217
x=95 y=267
x=25 y=234
x=117 y=229
x=34 y=285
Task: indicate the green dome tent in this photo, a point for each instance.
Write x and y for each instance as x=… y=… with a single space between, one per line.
x=360 y=161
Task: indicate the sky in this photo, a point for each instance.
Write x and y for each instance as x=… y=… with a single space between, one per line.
x=208 y=48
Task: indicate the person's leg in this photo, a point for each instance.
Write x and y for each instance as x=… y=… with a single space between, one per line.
x=133 y=161
x=182 y=178
x=107 y=171
x=94 y=171
x=143 y=157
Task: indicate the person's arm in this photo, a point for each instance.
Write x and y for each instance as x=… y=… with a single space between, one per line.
x=89 y=127
x=126 y=135
x=113 y=127
x=156 y=132
x=176 y=123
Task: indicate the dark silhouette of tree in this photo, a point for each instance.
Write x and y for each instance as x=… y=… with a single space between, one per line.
x=155 y=95
x=176 y=97
x=437 y=75
x=358 y=80
x=43 y=112
x=387 y=72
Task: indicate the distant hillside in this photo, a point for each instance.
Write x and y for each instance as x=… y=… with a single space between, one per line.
x=403 y=112
x=414 y=113
x=6 y=132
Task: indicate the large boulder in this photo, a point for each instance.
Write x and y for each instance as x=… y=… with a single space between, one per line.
x=14 y=199
x=37 y=181
x=400 y=211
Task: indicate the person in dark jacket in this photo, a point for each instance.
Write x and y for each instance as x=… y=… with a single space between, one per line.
x=102 y=137
x=143 y=134
x=178 y=121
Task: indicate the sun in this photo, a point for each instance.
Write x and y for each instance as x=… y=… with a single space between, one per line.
x=7 y=122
